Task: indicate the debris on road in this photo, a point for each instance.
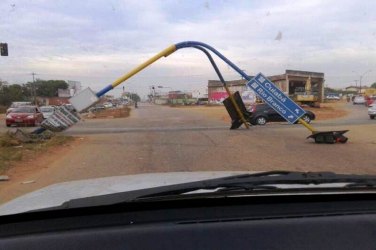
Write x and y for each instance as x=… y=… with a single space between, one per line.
x=109 y=113
x=18 y=136
x=28 y=182
x=4 y=178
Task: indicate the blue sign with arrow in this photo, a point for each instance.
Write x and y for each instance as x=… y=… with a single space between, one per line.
x=276 y=99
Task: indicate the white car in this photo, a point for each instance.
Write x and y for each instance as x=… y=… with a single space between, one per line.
x=332 y=97
x=372 y=110
x=47 y=111
x=108 y=105
x=359 y=100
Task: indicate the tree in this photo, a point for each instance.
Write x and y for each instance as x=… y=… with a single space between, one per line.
x=11 y=93
x=373 y=85
x=47 y=88
x=15 y=92
x=133 y=96
x=328 y=90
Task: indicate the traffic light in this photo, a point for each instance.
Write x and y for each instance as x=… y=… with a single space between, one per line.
x=3 y=49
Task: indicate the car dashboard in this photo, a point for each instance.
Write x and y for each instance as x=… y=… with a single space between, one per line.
x=346 y=221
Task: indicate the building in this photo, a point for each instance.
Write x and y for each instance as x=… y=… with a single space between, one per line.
x=356 y=89
x=179 y=95
x=53 y=101
x=64 y=93
x=294 y=81
x=74 y=87
x=291 y=82
x=217 y=93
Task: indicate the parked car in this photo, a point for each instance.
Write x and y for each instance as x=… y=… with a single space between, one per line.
x=333 y=97
x=47 y=111
x=25 y=115
x=97 y=108
x=359 y=100
x=262 y=113
x=17 y=105
x=372 y=110
x=108 y=105
x=369 y=100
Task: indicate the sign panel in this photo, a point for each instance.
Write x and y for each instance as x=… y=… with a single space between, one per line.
x=276 y=99
x=62 y=119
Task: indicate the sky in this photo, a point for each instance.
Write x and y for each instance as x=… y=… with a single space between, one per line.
x=95 y=42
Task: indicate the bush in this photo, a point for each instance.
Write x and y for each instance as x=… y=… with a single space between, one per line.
x=3 y=109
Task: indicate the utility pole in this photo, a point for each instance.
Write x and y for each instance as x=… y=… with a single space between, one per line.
x=33 y=89
x=360 y=79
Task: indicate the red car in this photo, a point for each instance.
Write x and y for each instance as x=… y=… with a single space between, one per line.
x=26 y=115
x=370 y=100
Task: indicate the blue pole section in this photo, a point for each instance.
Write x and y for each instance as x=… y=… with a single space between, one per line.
x=188 y=44
x=104 y=90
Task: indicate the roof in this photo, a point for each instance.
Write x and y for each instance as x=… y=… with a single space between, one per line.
x=56 y=101
x=304 y=73
x=357 y=87
x=217 y=83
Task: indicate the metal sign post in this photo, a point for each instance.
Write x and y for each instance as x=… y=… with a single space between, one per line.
x=263 y=87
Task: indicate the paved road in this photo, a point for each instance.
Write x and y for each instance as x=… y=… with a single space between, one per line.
x=150 y=118
x=163 y=139
x=358 y=115
x=159 y=118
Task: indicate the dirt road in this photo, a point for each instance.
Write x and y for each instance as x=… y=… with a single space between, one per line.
x=163 y=139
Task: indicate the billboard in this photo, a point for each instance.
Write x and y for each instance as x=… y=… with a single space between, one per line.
x=248 y=96
x=217 y=96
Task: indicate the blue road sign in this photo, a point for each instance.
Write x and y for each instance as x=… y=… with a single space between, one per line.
x=276 y=99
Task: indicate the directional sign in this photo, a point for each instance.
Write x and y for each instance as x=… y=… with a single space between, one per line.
x=276 y=99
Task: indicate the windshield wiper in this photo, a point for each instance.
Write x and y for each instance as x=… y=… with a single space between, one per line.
x=247 y=182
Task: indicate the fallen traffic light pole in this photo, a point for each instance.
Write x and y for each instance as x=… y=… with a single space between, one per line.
x=265 y=89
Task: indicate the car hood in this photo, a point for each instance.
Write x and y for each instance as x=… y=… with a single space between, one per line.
x=47 y=114
x=57 y=194
x=20 y=114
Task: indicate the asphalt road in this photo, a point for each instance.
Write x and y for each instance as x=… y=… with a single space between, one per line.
x=357 y=116
x=163 y=139
x=159 y=118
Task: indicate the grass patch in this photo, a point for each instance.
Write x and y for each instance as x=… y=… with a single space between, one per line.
x=12 y=150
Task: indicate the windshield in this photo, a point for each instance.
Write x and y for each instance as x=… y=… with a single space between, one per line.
x=19 y=104
x=23 y=110
x=165 y=88
x=47 y=109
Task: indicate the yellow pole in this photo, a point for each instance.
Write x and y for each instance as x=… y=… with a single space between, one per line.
x=307 y=125
x=166 y=52
x=236 y=107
